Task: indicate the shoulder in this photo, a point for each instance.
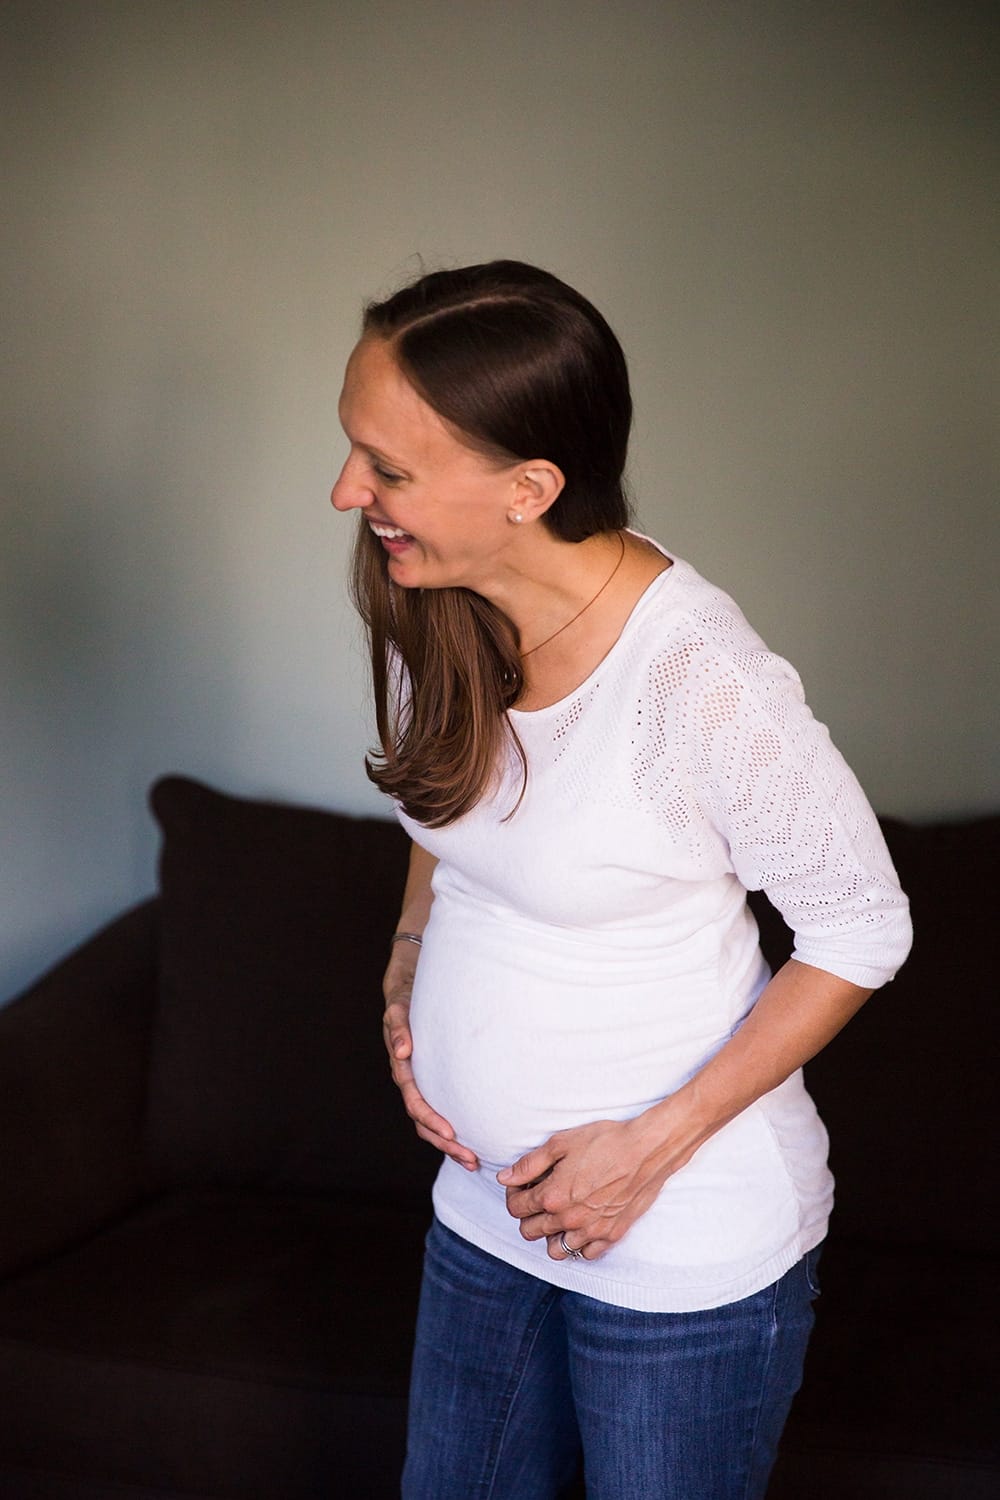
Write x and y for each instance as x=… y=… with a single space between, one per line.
x=682 y=598
x=686 y=618
x=706 y=681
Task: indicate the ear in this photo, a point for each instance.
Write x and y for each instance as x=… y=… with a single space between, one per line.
x=537 y=485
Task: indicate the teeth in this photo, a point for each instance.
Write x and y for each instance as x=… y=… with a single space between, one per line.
x=393 y=533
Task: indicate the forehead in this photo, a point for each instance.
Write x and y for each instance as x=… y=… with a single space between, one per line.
x=379 y=407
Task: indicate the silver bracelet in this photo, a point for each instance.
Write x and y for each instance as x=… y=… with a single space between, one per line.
x=406 y=937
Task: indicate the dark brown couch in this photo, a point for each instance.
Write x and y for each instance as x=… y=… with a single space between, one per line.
x=212 y=1205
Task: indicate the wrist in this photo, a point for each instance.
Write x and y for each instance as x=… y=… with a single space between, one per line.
x=671 y=1131
x=406 y=936
x=400 y=970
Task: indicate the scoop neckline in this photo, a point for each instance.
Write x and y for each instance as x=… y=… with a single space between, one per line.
x=652 y=586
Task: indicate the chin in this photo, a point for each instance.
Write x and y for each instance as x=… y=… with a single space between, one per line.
x=402 y=573
x=415 y=573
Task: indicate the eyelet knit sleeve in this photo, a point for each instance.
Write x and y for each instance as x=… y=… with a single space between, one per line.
x=797 y=824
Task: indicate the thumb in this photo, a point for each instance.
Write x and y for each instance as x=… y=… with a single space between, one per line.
x=530 y=1168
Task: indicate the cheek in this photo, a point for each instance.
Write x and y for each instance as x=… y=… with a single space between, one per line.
x=482 y=511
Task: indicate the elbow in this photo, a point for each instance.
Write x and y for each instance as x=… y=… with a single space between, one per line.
x=868 y=956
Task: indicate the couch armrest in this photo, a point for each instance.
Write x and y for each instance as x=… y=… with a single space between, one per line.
x=73 y=1067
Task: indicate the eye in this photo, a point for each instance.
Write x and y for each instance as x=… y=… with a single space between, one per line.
x=386 y=475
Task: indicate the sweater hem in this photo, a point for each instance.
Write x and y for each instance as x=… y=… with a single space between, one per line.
x=691 y=1292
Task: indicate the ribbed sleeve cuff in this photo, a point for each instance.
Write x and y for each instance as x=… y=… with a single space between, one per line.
x=886 y=951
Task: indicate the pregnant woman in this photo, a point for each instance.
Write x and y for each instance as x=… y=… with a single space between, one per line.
x=596 y=758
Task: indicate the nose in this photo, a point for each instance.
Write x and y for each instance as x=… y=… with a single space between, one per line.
x=350 y=492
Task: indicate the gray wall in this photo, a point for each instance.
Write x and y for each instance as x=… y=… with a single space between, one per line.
x=783 y=208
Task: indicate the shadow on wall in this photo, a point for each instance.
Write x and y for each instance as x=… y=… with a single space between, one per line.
x=104 y=629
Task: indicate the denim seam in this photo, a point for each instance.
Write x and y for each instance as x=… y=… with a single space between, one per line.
x=531 y=1332
x=764 y=1376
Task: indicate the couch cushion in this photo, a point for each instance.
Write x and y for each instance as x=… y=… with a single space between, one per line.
x=267 y=1060
x=898 y=1396
x=73 y=1063
x=230 y=1344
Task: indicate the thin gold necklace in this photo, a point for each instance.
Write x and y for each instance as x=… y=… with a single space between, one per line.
x=583 y=611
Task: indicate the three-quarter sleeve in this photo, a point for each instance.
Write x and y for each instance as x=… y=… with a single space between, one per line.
x=797 y=824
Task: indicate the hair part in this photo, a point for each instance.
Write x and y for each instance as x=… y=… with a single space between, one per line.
x=523 y=367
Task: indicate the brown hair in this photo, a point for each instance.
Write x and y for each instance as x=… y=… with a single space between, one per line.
x=523 y=367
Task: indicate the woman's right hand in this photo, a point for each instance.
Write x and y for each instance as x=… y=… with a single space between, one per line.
x=397 y=987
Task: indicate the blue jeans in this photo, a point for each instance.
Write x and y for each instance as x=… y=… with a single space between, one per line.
x=511 y=1376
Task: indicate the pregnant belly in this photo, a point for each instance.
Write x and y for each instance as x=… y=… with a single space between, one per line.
x=500 y=1082
x=509 y=1051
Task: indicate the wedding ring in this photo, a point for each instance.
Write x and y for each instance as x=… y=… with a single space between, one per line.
x=573 y=1254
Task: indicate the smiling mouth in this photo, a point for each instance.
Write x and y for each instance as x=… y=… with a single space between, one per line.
x=389 y=533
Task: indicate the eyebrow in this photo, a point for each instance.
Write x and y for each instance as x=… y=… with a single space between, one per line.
x=383 y=457
x=378 y=453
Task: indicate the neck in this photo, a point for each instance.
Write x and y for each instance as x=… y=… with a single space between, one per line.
x=544 y=588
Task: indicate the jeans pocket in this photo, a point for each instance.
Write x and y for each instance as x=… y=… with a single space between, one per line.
x=810 y=1264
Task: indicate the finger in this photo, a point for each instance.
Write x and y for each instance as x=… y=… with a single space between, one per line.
x=547 y=1227
x=594 y=1249
x=589 y=1250
x=577 y=1225
x=558 y=1243
x=435 y=1128
x=460 y=1154
x=422 y=1114
x=396 y=1030
x=540 y=1198
x=530 y=1169
x=416 y=1105
x=401 y=1069
x=523 y=1203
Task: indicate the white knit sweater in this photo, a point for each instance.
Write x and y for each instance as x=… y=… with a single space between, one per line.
x=586 y=957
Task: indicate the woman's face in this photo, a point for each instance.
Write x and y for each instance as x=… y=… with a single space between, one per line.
x=440 y=509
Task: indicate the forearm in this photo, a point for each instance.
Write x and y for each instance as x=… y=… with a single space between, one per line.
x=798 y=1013
x=414 y=912
x=595 y=1180
x=397 y=986
x=417 y=895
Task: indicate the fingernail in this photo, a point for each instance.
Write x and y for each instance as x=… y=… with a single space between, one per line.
x=505 y=1175
x=398 y=1045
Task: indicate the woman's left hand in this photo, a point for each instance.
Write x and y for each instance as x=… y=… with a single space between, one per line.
x=590 y=1184
x=593 y=1182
